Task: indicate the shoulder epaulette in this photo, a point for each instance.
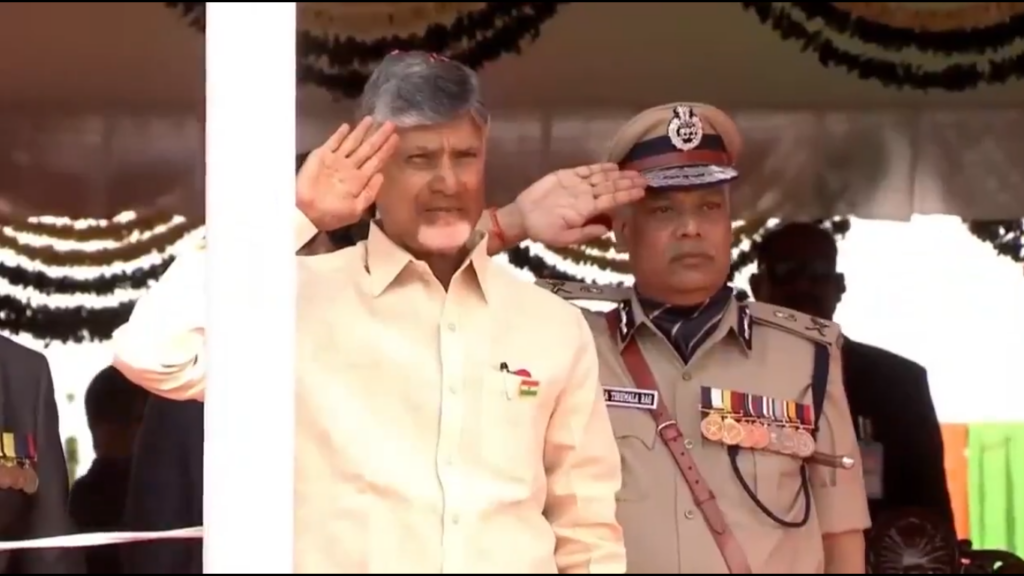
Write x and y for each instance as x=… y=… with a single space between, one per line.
x=797 y=323
x=581 y=291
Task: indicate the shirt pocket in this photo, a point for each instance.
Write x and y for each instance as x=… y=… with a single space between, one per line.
x=774 y=480
x=511 y=437
x=636 y=436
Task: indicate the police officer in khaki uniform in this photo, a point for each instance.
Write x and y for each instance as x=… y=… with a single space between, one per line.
x=738 y=449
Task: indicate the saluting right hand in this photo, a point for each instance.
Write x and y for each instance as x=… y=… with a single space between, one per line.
x=569 y=206
x=340 y=179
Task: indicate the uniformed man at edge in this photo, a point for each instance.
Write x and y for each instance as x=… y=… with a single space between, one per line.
x=33 y=471
x=733 y=380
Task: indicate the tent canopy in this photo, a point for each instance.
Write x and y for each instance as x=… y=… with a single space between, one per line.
x=101 y=112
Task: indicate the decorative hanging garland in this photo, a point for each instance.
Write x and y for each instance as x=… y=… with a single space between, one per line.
x=101 y=285
x=128 y=250
x=1005 y=236
x=53 y=324
x=973 y=30
x=921 y=46
x=949 y=18
x=80 y=323
x=140 y=247
x=121 y=227
x=746 y=238
x=521 y=257
x=339 y=43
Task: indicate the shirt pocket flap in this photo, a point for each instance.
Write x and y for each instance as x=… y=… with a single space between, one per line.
x=632 y=423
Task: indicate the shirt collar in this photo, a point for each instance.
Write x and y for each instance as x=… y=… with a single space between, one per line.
x=737 y=317
x=385 y=260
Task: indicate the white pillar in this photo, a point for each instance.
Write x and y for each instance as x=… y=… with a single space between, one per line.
x=250 y=201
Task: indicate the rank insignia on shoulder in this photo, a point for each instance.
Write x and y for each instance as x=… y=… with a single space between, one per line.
x=581 y=291
x=797 y=323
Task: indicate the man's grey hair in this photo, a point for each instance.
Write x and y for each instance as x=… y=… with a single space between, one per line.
x=419 y=89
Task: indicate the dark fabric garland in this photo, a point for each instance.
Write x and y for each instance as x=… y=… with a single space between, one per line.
x=152 y=233
x=82 y=323
x=116 y=231
x=1005 y=236
x=137 y=238
x=52 y=324
x=474 y=38
x=956 y=77
x=978 y=41
x=102 y=285
x=127 y=252
x=521 y=257
x=71 y=323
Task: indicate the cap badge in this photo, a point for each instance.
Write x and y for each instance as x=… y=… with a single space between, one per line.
x=685 y=129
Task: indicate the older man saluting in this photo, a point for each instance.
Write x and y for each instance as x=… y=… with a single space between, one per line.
x=449 y=416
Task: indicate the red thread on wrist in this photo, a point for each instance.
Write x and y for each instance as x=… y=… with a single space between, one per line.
x=496 y=228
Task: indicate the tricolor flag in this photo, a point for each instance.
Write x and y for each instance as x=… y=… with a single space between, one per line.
x=529 y=387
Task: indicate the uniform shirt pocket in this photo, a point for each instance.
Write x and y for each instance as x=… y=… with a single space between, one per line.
x=511 y=437
x=636 y=436
x=775 y=481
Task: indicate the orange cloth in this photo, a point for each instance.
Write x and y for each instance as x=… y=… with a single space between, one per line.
x=954 y=438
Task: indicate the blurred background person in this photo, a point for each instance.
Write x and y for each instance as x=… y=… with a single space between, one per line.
x=889 y=397
x=113 y=408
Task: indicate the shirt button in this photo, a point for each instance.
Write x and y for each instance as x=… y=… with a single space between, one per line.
x=688 y=443
x=455 y=519
x=689 y=514
x=451 y=327
x=453 y=389
x=687 y=376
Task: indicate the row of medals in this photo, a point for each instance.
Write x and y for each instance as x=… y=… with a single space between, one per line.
x=789 y=440
x=19 y=475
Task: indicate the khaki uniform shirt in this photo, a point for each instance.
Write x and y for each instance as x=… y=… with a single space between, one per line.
x=664 y=529
x=415 y=452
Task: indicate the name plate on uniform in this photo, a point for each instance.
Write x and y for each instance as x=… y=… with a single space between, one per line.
x=631 y=398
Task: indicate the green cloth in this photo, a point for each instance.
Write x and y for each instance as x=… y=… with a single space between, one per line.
x=995 y=472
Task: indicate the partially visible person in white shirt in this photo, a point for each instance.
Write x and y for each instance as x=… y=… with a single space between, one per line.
x=449 y=416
